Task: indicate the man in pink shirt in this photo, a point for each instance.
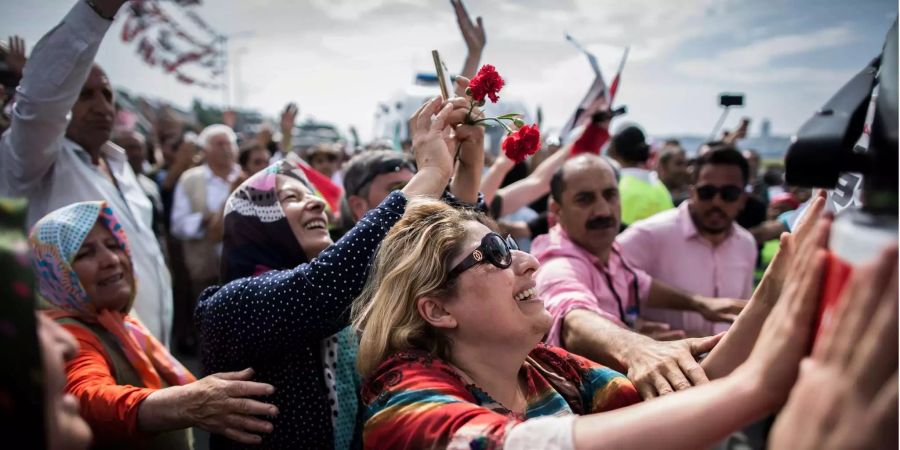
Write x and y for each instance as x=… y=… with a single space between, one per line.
x=699 y=247
x=595 y=296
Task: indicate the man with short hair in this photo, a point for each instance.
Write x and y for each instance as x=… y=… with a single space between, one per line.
x=368 y=179
x=641 y=192
x=200 y=196
x=327 y=158
x=698 y=247
x=596 y=296
x=56 y=160
x=672 y=171
x=197 y=220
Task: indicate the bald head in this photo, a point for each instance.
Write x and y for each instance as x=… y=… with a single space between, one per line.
x=585 y=161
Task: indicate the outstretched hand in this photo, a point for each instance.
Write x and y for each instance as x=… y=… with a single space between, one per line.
x=719 y=309
x=787 y=332
x=846 y=394
x=658 y=368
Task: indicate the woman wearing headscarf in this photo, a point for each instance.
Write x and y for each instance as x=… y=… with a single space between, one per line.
x=132 y=391
x=287 y=288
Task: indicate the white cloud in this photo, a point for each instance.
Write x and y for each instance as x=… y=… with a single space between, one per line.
x=763 y=61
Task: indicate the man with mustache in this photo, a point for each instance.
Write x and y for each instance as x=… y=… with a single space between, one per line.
x=596 y=296
x=56 y=160
x=698 y=246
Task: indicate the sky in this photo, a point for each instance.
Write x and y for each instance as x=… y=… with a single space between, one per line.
x=339 y=58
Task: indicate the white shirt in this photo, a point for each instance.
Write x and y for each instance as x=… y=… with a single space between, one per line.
x=187 y=224
x=38 y=162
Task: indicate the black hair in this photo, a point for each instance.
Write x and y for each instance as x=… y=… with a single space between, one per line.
x=724 y=155
x=558 y=184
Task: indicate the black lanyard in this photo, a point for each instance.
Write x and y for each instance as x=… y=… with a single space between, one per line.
x=634 y=285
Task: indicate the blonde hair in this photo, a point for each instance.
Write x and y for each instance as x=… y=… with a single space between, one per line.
x=412 y=262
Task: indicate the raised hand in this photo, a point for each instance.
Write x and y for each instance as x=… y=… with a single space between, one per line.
x=474 y=36
x=846 y=394
x=15 y=54
x=289 y=117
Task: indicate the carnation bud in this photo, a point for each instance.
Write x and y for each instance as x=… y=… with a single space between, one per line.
x=468 y=92
x=519 y=123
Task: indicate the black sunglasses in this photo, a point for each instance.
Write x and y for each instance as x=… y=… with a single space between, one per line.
x=728 y=193
x=493 y=249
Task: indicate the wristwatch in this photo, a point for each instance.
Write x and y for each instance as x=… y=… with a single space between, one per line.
x=97 y=10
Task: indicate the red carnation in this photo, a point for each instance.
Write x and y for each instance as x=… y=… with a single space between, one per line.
x=522 y=143
x=486 y=83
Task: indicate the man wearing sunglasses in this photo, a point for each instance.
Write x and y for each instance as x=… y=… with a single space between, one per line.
x=699 y=247
x=597 y=297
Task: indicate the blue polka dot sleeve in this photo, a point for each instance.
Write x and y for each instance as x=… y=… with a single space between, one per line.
x=275 y=311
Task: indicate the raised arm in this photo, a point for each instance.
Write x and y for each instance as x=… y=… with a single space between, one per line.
x=311 y=303
x=740 y=338
x=53 y=77
x=534 y=186
x=473 y=34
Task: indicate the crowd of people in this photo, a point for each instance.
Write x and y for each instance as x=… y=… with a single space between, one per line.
x=628 y=295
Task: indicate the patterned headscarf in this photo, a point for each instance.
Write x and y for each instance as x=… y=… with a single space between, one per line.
x=55 y=240
x=257 y=236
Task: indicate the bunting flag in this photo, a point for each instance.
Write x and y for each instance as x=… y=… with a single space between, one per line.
x=162 y=41
x=590 y=137
x=614 y=87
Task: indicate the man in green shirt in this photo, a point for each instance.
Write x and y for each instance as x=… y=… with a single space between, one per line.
x=642 y=194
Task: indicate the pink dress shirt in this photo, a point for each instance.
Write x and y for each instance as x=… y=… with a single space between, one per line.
x=571 y=278
x=668 y=247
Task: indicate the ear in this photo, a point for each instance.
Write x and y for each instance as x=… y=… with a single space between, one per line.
x=553 y=206
x=433 y=312
x=358 y=206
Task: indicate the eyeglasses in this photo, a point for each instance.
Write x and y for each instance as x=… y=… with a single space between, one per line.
x=728 y=193
x=493 y=249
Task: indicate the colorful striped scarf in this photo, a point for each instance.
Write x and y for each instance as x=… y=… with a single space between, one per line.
x=415 y=400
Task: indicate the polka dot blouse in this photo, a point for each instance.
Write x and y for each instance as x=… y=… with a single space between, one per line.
x=276 y=323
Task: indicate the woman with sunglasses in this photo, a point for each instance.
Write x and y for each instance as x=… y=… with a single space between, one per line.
x=451 y=354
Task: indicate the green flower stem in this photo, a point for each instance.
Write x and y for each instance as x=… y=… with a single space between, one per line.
x=495 y=120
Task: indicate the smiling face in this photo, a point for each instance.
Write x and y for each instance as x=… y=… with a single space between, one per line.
x=104 y=270
x=306 y=215
x=65 y=427
x=506 y=296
